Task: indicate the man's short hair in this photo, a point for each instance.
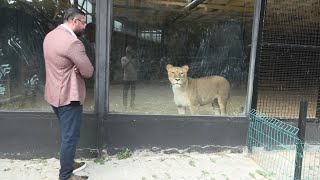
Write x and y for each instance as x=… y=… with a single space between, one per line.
x=71 y=13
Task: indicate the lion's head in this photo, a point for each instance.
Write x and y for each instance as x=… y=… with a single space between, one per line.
x=177 y=75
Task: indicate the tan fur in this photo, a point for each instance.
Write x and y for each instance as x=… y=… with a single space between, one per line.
x=192 y=93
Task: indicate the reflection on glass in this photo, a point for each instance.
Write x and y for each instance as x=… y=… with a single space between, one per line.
x=211 y=39
x=23 y=27
x=129 y=65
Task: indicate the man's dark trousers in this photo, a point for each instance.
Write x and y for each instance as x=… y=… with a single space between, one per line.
x=70 y=117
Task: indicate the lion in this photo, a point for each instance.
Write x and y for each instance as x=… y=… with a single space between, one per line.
x=193 y=93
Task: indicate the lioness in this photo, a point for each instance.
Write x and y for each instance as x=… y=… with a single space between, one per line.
x=193 y=93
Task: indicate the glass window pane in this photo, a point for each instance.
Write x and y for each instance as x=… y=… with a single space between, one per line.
x=211 y=38
x=23 y=27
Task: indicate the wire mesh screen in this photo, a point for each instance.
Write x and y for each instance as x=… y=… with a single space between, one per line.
x=288 y=66
x=274 y=145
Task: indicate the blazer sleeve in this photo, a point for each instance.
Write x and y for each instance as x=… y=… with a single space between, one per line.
x=77 y=54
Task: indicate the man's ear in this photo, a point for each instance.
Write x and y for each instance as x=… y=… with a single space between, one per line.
x=169 y=67
x=74 y=20
x=185 y=67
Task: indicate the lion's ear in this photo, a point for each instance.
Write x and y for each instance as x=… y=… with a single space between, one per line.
x=169 y=66
x=185 y=67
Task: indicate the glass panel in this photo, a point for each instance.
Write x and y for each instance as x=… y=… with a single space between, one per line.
x=23 y=26
x=211 y=37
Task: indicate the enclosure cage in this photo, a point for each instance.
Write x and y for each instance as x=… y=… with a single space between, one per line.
x=286 y=72
x=287 y=60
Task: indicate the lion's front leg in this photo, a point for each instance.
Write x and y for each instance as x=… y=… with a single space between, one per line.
x=181 y=110
x=222 y=104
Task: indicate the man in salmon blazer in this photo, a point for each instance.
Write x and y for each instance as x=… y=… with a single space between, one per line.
x=67 y=64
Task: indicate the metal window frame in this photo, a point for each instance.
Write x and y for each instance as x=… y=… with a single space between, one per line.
x=103 y=129
x=254 y=55
x=106 y=136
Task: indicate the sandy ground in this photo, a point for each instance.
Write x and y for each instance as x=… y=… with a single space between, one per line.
x=144 y=166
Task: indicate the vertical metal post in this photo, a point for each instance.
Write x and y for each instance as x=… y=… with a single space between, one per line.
x=109 y=30
x=255 y=46
x=255 y=53
x=101 y=69
x=250 y=133
x=300 y=141
x=318 y=103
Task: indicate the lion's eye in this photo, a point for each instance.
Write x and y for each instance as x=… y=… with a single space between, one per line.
x=172 y=72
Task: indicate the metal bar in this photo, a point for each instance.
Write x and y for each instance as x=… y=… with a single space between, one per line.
x=136 y=7
x=100 y=76
x=108 y=48
x=192 y=5
x=82 y=4
x=186 y=12
x=250 y=133
x=300 y=141
x=255 y=47
x=290 y=45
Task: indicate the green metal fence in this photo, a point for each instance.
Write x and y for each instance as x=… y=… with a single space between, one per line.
x=276 y=147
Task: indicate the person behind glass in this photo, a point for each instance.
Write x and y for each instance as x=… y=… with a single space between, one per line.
x=129 y=65
x=67 y=65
